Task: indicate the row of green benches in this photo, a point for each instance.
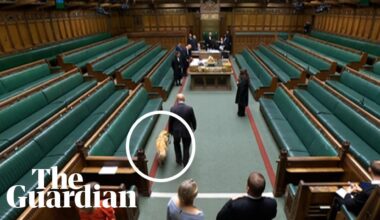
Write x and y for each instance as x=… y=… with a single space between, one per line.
x=83 y=55
x=106 y=66
x=373 y=49
x=19 y=80
x=110 y=140
x=160 y=79
x=134 y=72
x=343 y=121
x=19 y=118
x=55 y=145
x=359 y=90
x=262 y=79
x=287 y=71
x=292 y=128
x=48 y=52
x=343 y=57
x=314 y=65
x=372 y=71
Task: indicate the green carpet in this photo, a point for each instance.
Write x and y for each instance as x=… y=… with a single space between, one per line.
x=226 y=152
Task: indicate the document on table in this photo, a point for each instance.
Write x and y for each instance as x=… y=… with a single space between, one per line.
x=107 y=170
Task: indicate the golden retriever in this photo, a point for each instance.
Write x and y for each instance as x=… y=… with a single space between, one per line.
x=162 y=143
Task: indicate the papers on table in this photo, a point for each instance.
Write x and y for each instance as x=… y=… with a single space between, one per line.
x=341 y=192
x=106 y=170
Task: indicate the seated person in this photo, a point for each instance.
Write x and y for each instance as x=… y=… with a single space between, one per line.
x=102 y=213
x=251 y=206
x=355 y=196
x=182 y=206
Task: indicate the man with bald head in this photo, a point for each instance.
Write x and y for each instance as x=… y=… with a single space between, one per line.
x=251 y=206
x=179 y=131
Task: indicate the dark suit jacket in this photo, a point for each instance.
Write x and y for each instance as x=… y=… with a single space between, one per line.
x=176 y=128
x=355 y=202
x=177 y=68
x=246 y=208
x=242 y=92
x=185 y=56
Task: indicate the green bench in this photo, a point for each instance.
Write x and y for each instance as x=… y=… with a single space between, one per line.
x=55 y=145
x=343 y=122
x=340 y=56
x=373 y=71
x=134 y=73
x=281 y=35
x=359 y=90
x=106 y=66
x=286 y=72
x=292 y=129
x=261 y=79
x=373 y=49
x=25 y=78
x=112 y=140
x=48 y=52
x=81 y=56
x=21 y=117
x=312 y=64
x=161 y=78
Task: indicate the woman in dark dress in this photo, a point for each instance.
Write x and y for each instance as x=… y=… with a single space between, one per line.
x=177 y=68
x=242 y=92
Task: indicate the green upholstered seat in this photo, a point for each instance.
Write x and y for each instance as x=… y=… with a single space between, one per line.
x=259 y=76
x=342 y=57
x=48 y=52
x=15 y=83
x=21 y=117
x=112 y=141
x=373 y=49
x=344 y=122
x=55 y=145
x=137 y=71
x=309 y=62
x=360 y=91
x=292 y=130
x=111 y=63
x=284 y=70
x=163 y=76
x=82 y=57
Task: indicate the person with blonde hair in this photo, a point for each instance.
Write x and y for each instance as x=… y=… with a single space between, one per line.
x=182 y=206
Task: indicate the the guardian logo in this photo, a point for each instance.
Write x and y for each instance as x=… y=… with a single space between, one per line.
x=65 y=189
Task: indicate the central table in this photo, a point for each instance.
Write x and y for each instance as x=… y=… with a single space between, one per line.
x=210 y=74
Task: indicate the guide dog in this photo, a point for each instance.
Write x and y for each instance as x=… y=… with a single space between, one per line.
x=162 y=143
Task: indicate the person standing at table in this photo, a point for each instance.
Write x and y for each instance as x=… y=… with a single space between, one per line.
x=242 y=92
x=177 y=68
x=186 y=59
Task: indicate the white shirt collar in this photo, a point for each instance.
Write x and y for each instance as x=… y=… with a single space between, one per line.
x=251 y=197
x=375 y=182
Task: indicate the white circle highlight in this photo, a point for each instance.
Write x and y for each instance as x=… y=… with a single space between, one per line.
x=192 y=155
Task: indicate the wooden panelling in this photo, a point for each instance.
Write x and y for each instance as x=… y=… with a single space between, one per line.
x=156 y=20
x=268 y=20
x=362 y=23
x=25 y=29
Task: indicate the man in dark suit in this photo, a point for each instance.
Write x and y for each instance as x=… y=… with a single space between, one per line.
x=209 y=41
x=357 y=195
x=177 y=68
x=179 y=131
x=252 y=206
x=185 y=59
x=227 y=41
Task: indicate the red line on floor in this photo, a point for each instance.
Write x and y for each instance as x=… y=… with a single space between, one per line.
x=256 y=133
x=154 y=167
